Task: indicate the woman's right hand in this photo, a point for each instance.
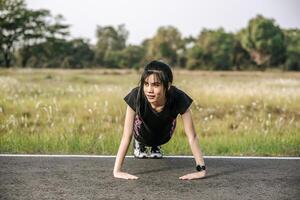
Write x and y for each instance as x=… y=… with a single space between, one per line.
x=124 y=175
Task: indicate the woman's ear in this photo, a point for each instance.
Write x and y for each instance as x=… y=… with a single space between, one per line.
x=169 y=86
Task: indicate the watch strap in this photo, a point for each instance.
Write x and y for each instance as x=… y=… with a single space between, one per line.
x=200 y=168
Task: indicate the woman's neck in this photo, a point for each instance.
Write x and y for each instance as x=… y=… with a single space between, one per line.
x=158 y=106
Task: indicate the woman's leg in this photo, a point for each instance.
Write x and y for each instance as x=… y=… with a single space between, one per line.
x=139 y=149
x=156 y=152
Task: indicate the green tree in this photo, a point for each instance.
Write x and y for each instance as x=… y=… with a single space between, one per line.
x=56 y=52
x=264 y=41
x=51 y=33
x=165 y=45
x=188 y=43
x=241 y=58
x=214 y=49
x=293 y=49
x=195 y=57
x=79 y=54
x=109 y=40
x=132 y=56
x=23 y=27
x=48 y=54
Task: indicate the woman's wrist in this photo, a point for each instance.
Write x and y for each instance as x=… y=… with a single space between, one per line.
x=116 y=171
x=200 y=168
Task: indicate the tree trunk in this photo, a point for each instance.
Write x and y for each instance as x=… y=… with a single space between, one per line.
x=7 y=60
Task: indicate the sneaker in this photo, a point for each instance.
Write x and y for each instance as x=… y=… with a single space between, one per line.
x=156 y=152
x=139 y=150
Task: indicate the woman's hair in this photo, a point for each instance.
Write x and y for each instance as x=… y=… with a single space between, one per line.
x=162 y=71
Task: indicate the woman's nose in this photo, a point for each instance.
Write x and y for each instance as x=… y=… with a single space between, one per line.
x=149 y=88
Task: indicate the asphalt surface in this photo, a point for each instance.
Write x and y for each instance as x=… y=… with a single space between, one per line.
x=91 y=178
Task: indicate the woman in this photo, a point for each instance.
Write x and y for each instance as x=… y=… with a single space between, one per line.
x=151 y=118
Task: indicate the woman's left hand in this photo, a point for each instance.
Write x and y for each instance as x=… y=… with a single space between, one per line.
x=195 y=175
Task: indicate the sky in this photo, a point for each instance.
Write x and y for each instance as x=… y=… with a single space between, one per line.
x=142 y=18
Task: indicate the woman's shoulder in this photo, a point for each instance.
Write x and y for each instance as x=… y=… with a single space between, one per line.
x=134 y=90
x=132 y=93
x=180 y=100
x=178 y=95
x=176 y=91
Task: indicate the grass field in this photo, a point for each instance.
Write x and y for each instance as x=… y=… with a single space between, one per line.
x=82 y=111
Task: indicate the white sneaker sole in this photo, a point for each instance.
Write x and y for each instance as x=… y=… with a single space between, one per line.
x=140 y=155
x=156 y=155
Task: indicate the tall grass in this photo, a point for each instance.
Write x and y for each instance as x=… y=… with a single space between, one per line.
x=82 y=111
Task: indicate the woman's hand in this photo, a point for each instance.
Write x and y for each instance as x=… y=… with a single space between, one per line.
x=124 y=175
x=195 y=175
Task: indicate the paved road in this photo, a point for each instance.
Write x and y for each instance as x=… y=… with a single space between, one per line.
x=91 y=178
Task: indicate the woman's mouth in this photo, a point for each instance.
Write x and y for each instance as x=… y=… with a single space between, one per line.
x=150 y=96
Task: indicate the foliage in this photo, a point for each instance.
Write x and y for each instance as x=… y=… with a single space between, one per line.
x=132 y=57
x=241 y=58
x=24 y=27
x=264 y=41
x=213 y=50
x=165 y=45
x=109 y=40
x=56 y=53
x=293 y=49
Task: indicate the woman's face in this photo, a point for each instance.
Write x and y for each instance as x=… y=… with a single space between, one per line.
x=154 y=90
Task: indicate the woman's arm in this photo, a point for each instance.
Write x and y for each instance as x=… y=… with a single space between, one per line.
x=124 y=144
x=194 y=144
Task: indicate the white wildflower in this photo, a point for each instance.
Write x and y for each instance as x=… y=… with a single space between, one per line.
x=269 y=115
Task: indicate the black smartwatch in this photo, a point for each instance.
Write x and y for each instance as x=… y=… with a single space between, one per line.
x=200 y=168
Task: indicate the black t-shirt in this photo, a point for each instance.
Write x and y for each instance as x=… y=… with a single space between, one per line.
x=156 y=128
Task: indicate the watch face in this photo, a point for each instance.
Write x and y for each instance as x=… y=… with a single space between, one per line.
x=199 y=168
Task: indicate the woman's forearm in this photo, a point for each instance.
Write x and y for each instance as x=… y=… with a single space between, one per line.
x=121 y=153
x=192 y=137
x=126 y=138
x=194 y=144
